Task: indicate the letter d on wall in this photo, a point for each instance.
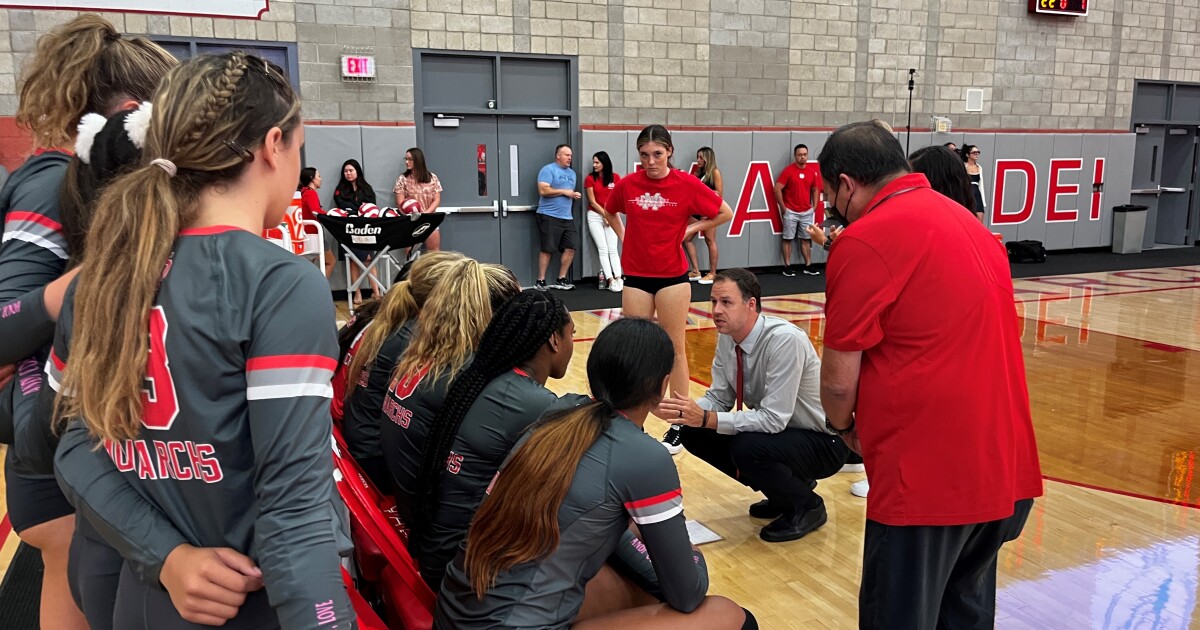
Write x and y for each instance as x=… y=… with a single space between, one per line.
x=1003 y=169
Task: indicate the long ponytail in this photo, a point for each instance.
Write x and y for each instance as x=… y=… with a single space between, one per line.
x=517 y=331
x=627 y=368
x=200 y=106
x=84 y=66
x=397 y=306
x=455 y=316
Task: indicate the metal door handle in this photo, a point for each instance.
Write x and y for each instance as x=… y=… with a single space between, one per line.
x=495 y=209
x=504 y=206
x=1165 y=189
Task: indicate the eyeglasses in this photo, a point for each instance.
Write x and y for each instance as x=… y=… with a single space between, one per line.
x=973 y=153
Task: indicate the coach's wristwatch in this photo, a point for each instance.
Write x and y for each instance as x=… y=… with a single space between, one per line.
x=837 y=431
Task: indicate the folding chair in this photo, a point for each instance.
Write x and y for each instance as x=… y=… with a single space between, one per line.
x=409 y=601
x=380 y=235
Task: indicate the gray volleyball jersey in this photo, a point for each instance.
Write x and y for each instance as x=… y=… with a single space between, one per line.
x=235 y=443
x=625 y=476
x=364 y=408
x=505 y=408
x=33 y=252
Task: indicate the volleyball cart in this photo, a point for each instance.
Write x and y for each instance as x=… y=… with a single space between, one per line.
x=380 y=236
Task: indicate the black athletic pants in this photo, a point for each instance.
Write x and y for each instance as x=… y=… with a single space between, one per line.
x=780 y=465
x=927 y=577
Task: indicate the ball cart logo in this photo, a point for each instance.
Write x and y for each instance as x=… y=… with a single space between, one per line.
x=653 y=202
x=421 y=230
x=362 y=231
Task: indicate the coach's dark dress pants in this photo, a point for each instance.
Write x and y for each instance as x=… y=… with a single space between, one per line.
x=927 y=577
x=780 y=465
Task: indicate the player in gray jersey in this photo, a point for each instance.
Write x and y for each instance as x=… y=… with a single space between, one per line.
x=490 y=404
x=566 y=499
x=449 y=328
x=206 y=380
x=383 y=342
x=81 y=66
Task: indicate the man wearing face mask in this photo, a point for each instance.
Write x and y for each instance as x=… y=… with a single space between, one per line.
x=923 y=374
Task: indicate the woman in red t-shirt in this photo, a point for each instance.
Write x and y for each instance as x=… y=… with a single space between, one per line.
x=605 y=227
x=658 y=201
x=310 y=207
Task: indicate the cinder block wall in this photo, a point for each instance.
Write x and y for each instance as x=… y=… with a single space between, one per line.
x=761 y=63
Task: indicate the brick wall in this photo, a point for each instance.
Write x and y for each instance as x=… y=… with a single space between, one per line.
x=728 y=62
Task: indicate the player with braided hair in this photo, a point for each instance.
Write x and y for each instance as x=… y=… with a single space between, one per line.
x=81 y=66
x=491 y=403
x=199 y=393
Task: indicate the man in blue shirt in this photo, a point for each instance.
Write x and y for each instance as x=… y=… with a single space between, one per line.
x=556 y=226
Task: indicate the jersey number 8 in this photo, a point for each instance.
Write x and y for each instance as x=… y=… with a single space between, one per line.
x=160 y=407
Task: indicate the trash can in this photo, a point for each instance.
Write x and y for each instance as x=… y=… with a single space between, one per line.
x=1129 y=227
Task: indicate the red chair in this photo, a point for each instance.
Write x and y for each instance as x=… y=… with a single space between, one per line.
x=367 y=619
x=380 y=547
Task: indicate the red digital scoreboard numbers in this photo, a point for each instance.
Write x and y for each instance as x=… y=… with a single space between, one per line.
x=1059 y=7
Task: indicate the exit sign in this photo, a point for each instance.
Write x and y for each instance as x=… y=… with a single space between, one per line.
x=358 y=67
x=1060 y=7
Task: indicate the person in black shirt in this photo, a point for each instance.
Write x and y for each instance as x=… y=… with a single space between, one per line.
x=352 y=192
x=491 y=403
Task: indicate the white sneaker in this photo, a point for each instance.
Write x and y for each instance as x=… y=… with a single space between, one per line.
x=673 y=440
x=853 y=468
x=616 y=285
x=860 y=488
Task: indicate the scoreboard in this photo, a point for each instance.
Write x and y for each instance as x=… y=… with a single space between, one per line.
x=1059 y=7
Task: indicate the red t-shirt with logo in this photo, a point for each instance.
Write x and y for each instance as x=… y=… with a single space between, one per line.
x=657 y=212
x=924 y=291
x=798 y=185
x=599 y=190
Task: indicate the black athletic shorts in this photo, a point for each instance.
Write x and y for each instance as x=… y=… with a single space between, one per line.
x=32 y=500
x=94 y=571
x=557 y=235
x=653 y=285
x=139 y=607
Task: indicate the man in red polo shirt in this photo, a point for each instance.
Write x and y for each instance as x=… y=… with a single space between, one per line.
x=923 y=374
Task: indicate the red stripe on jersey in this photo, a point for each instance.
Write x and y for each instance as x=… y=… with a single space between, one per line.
x=289 y=361
x=208 y=231
x=33 y=217
x=662 y=498
x=59 y=364
x=64 y=151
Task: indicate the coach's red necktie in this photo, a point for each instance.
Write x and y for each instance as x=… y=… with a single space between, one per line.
x=738 y=351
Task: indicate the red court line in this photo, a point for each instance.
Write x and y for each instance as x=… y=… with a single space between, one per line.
x=5 y=529
x=1124 y=493
x=1058 y=298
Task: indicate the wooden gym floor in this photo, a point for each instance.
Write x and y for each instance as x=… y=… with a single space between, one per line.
x=1113 y=364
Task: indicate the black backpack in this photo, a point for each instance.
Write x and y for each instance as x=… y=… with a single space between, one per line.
x=1025 y=251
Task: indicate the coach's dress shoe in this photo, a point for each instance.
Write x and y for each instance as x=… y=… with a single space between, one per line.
x=764 y=509
x=794 y=526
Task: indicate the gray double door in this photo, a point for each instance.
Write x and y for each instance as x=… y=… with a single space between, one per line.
x=488 y=125
x=1164 y=180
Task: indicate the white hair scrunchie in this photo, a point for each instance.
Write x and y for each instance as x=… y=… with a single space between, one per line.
x=89 y=126
x=166 y=165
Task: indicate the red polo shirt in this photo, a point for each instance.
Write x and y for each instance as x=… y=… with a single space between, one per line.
x=925 y=292
x=798 y=185
x=657 y=212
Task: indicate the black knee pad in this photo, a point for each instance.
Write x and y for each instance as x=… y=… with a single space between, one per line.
x=751 y=623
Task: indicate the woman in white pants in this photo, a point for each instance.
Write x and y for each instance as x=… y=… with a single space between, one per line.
x=606 y=229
